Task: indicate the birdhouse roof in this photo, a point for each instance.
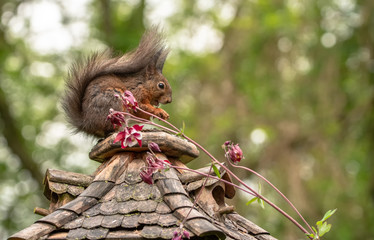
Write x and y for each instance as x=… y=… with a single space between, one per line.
x=115 y=203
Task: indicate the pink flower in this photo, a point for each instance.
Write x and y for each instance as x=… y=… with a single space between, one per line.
x=116 y=118
x=154 y=164
x=178 y=235
x=186 y=234
x=128 y=100
x=130 y=136
x=154 y=147
x=233 y=152
x=146 y=176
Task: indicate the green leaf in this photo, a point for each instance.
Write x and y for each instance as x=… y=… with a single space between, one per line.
x=261 y=202
x=252 y=200
x=183 y=127
x=216 y=171
x=310 y=235
x=180 y=134
x=325 y=228
x=328 y=214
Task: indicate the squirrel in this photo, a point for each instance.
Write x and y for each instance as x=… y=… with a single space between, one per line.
x=93 y=84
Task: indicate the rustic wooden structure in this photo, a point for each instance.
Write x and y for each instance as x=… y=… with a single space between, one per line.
x=115 y=203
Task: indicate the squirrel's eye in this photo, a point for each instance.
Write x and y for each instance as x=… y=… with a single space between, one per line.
x=161 y=85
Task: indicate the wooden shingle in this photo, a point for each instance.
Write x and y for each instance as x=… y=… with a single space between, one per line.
x=116 y=204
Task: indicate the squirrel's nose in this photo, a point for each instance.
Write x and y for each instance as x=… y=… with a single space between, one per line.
x=168 y=100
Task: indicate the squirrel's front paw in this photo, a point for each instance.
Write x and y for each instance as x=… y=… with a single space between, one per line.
x=162 y=114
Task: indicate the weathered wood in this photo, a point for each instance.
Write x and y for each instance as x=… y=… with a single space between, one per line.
x=171 y=145
x=113 y=168
x=167 y=220
x=189 y=176
x=117 y=204
x=151 y=232
x=33 y=232
x=170 y=174
x=202 y=227
x=229 y=189
x=80 y=204
x=58 y=188
x=128 y=207
x=147 y=206
x=79 y=233
x=97 y=189
x=75 y=190
x=250 y=226
x=64 y=199
x=110 y=195
x=130 y=221
x=175 y=201
x=58 y=235
x=168 y=233
x=58 y=218
x=195 y=180
x=124 y=192
x=170 y=186
x=124 y=234
x=155 y=194
x=211 y=202
x=76 y=223
x=182 y=213
x=265 y=237
x=162 y=208
x=132 y=172
x=148 y=218
x=112 y=221
x=92 y=222
x=109 y=208
x=226 y=210
x=97 y=233
x=93 y=211
x=72 y=178
x=195 y=185
x=142 y=191
x=41 y=211
x=232 y=233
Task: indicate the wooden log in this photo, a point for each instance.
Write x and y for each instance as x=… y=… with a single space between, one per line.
x=33 y=232
x=58 y=218
x=170 y=145
x=65 y=177
x=250 y=226
x=41 y=211
x=80 y=204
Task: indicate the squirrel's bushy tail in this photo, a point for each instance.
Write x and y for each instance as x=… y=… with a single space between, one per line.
x=151 y=48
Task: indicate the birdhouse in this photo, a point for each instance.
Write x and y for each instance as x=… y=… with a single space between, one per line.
x=115 y=203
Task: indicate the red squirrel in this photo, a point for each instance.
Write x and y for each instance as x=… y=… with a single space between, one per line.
x=93 y=84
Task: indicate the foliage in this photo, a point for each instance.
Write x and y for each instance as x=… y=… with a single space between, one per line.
x=322 y=226
x=290 y=80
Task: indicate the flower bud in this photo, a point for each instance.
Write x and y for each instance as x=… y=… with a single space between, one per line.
x=235 y=153
x=154 y=147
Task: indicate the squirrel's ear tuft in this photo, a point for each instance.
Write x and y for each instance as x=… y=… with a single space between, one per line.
x=160 y=58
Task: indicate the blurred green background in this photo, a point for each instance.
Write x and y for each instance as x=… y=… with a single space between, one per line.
x=291 y=81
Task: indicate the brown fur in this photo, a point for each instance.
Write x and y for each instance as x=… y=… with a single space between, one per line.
x=92 y=85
